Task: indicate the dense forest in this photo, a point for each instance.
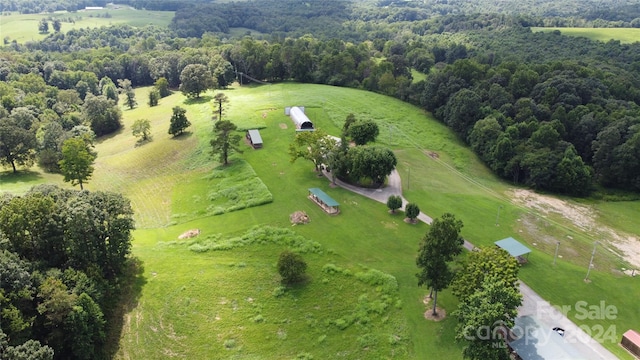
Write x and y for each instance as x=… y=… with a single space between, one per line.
x=561 y=118
x=551 y=112
x=62 y=257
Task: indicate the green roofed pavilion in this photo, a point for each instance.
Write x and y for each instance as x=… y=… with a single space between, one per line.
x=514 y=248
x=323 y=200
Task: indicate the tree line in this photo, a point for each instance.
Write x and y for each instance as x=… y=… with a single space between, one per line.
x=63 y=258
x=560 y=119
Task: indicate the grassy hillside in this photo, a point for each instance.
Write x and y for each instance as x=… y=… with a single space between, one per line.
x=218 y=295
x=624 y=35
x=24 y=27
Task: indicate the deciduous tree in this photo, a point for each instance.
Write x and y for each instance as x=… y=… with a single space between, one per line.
x=412 y=211
x=31 y=349
x=313 y=146
x=481 y=263
x=373 y=162
x=394 y=203
x=57 y=25
x=291 y=267
x=225 y=141
x=17 y=145
x=141 y=128
x=77 y=161
x=127 y=90
x=178 y=122
x=196 y=79
x=363 y=131
x=163 y=87
x=347 y=123
x=485 y=316
x=43 y=26
x=154 y=97
x=441 y=244
x=86 y=325
x=108 y=89
x=102 y=113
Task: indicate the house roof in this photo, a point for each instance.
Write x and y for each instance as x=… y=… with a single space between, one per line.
x=536 y=342
x=326 y=199
x=255 y=136
x=513 y=246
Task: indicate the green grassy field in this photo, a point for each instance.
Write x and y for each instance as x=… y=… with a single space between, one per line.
x=624 y=35
x=197 y=302
x=24 y=27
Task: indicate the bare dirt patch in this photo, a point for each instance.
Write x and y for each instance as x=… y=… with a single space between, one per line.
x=582 y=216
x=189 y=234
x=283 y=126
x=433 y=154
x=440 y=314
x=299 y=218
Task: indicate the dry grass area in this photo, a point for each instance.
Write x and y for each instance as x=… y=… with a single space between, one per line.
x=583 y=217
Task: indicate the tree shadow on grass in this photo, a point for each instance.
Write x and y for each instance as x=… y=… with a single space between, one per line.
x=184 y=136
x=132 y=283
x=101 y=139
x=141 y=142
x=199 y=100
x=9 y=177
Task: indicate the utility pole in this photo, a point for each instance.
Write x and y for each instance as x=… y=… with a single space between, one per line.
x=498 y=216
x=593 y=253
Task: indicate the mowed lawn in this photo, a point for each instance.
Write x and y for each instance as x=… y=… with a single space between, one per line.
x=624 y=35
x=226 y=303
x=24 y=27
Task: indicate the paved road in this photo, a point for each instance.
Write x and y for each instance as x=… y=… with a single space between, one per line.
x=532 y=305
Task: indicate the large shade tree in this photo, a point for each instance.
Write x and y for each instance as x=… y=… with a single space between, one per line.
x=314 y=146
x=77 y=161
x=483 y=262
x=196 y=79
x=102 y=113
x=17 y=145
x=373 y=162
x=485 y=316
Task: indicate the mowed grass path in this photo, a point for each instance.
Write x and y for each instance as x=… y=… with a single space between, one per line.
x=624 y=35
x=24 y=27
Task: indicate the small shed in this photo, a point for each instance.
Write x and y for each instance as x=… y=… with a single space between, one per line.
x=323 y=200
x=299 y=118
x=514 y=248
x=254 y=138
x=631 y=342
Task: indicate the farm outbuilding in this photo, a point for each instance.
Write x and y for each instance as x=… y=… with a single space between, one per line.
x=254 y=138
x=631 y=342
x=514 y=248
x=325 y=201
x=299 y=118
